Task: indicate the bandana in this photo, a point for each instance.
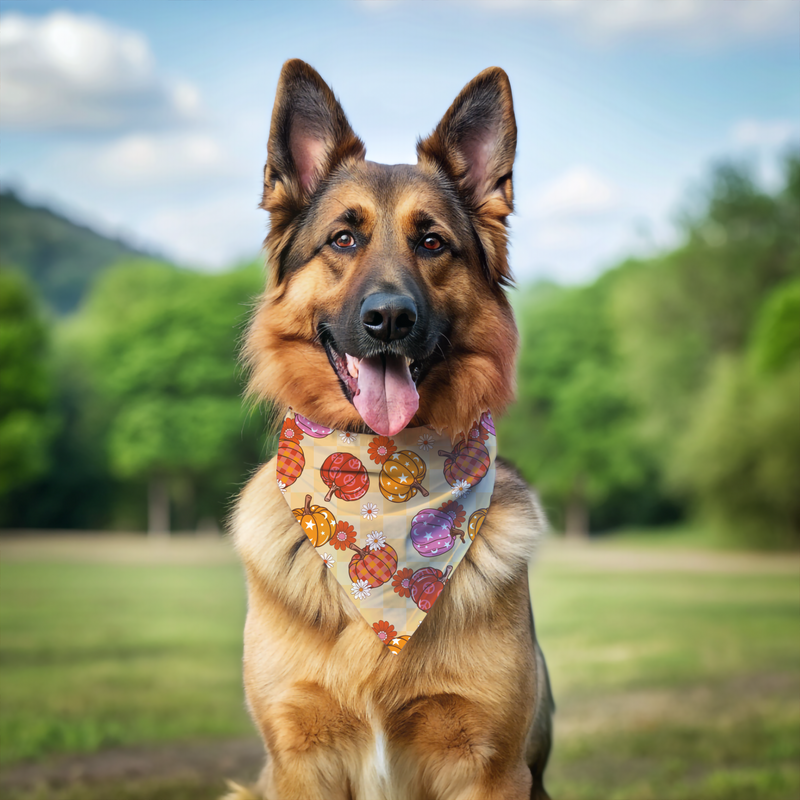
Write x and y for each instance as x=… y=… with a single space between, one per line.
x=392 y=517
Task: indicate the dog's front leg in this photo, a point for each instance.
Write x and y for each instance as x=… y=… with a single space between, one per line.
x=314 y=745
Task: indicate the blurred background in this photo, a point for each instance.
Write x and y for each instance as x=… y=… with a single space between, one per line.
x=656 y=247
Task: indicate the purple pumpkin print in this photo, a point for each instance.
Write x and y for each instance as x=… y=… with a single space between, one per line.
x=487 y=423
x=311 y=428
x=433 y=532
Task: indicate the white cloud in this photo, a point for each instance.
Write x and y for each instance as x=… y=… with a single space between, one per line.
x=209 y=235
x=764 y=133
x=157 y=159
x=704 y=22
x=579 y=192
x=70 y=71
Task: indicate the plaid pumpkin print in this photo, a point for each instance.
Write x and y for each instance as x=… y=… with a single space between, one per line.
x=291 y=461
x=468 y=462
x=376 y=567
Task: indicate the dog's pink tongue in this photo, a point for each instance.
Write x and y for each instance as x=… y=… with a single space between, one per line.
x=386 y=397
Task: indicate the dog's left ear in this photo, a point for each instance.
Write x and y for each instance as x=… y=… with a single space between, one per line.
x=475 y=144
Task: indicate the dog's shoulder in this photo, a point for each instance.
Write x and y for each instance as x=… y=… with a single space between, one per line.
x=514 y=526
x=277 y=558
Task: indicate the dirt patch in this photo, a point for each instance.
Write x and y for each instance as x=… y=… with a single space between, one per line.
x=208 y=763
x=727 y=702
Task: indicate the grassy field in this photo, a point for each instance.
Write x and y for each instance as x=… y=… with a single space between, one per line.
x=676 y=672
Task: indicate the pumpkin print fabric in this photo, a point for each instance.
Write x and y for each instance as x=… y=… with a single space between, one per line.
x=391 y=517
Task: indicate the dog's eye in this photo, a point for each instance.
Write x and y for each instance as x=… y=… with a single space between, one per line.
x=432 y=242
x=344 y=240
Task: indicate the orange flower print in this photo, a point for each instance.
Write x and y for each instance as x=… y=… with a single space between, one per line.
x=457 y=509
x=343 y=536
x=385 y=631
x=291 y=431
x=380 y=448
x=401 y=583
x=478 y=434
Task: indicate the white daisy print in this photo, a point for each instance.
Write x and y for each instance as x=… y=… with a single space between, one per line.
x=425 y=442
x=328 y=559
x=369 y=511
x=461 y=488
x=282 y=486
x=360 y=590
x=347 y=437
x=376 y=540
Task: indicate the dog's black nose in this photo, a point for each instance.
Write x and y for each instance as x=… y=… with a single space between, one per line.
x=388 y=317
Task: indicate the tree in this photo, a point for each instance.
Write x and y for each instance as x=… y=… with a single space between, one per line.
x=681 y=311
x=572 y=429
x=739 y=461
x=27 y=419
x=709 y=340
x=161 y=346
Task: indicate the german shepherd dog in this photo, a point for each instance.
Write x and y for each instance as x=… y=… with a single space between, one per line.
x=391 y=276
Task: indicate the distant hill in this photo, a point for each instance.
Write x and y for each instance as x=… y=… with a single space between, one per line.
x=60 y=257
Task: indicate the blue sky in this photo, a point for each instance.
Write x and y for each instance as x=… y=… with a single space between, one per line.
x=151 y=119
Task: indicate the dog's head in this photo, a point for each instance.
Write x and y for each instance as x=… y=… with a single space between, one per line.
x=385 y=303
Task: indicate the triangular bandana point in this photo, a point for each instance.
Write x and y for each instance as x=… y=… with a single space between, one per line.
x=391 y=516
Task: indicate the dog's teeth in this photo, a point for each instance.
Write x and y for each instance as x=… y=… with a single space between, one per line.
x=352 y=365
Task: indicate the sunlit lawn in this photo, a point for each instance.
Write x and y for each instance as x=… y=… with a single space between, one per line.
x=101 y=654
x=673 y=681
x=676 y=676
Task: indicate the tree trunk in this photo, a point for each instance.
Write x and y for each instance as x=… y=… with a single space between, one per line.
x=577 y=521
x=158 y=507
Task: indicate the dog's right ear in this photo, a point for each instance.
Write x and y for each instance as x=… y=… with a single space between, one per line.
x=308 y=137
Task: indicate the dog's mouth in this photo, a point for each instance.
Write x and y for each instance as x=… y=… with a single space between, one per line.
x=382 y=387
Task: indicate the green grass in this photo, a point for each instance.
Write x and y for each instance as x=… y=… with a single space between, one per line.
x=675 y=684
x=675 y=678
x=96 y=655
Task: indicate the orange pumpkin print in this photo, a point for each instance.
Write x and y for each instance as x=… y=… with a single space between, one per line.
x=401 y=477
x=316 y=521
x=476 y=521
x=398 y=643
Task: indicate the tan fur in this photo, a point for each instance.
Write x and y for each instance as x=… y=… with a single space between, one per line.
x=463 y=711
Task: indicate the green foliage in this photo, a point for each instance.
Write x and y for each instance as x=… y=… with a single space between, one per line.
x=776 y=339
x=159 y=344
x=740 y=458
x=670 y=380
x=708 y=334
x=580 y=442
x=27 y=421
x=679 y=312
x=58 y=256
